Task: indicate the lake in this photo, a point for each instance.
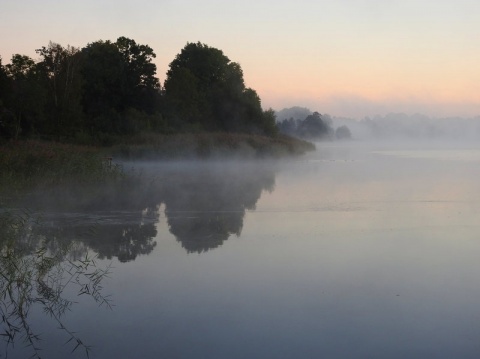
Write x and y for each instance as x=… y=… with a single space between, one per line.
x=354 y=251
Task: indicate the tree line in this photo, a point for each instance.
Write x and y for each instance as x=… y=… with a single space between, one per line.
x=313 y=127
x=109 y=89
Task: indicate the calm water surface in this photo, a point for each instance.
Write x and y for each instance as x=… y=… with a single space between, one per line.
x=353 y=251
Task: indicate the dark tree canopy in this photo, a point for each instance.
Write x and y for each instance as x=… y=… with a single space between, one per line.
x=142 y=85
x=118 y=78
x=205 y=90
x=104 y=86
x=109 y=89
x=314 y=126
x=61 y=80
x=23 y=99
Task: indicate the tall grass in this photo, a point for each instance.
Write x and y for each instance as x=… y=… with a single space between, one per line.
x=206 y=145
x=27 y=163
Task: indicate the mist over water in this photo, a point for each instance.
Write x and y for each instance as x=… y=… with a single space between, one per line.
x=401 y=127
x=357 y=250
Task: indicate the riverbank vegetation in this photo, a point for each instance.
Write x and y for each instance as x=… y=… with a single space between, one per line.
x=209 y=145
x=45 y=164
x=106 y=90
x=65 y=112
x=25 y=163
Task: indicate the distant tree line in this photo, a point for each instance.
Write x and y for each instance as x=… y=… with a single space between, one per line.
x=314 y=127
x=109 y=89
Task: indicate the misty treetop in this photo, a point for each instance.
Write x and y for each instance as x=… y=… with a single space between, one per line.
x=313 y=126
x=303 y=123
x=108 y=89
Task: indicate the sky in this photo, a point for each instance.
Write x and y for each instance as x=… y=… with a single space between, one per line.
x=347 y=58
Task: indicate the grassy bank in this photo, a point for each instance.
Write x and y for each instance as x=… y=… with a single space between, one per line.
x=209 y=145
x=27 y=163
x=32 y=163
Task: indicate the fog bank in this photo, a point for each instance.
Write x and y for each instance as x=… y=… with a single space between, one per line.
x=412 y=127
x=397 y=126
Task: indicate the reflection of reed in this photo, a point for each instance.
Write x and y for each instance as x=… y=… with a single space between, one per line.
x=31 y=274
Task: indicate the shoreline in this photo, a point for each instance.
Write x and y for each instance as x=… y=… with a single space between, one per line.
x=36 y=163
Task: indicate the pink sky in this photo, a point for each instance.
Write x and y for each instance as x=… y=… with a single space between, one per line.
x=351 y=58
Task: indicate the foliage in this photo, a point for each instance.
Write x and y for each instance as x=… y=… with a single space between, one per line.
x=31 y=274
x=118 y=78
x=4 y=87
x=294 y=113
x=92 y=90
x=141 y=84
x=314 y=126
x=343 y=133
x=107 y=91
x=204 y=90
x=59 y=71
x=24 y=98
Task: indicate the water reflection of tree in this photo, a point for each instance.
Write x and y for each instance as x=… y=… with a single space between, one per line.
x=206 y=207
x=123 y=241
x=114 y=220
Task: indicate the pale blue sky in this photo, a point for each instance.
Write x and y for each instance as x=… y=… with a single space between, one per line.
x=345 y=57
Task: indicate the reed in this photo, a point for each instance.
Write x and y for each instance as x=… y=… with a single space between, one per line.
x=208 y=145
x=31 y=162
x=32 y=274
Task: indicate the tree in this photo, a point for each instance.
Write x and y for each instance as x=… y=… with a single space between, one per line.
x=205 y=90
x=288 y=127
x=5 y=114
x=60 y=70
x=314 y=127
x=104 y=86
x=270 y=122
x=343 y=133
x=24 y=100
x=294 y=113
x=3 y=80
x=142 y=85
x=117 y=77
x=196 y=71
x=20 y=66
x=185 y=103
